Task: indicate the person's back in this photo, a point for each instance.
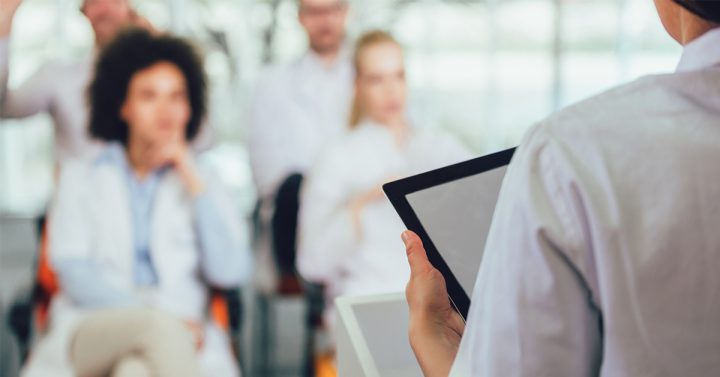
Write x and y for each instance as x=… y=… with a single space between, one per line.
x=632 y=194
x=602 y=255
x=654 y=239
x=604 y=239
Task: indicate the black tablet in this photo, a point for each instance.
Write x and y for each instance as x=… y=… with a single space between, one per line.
x=451 y=209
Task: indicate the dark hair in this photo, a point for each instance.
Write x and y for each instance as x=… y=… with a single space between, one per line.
x=134 y=50
x=706 y=9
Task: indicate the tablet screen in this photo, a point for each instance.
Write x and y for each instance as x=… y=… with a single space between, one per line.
x=457 y=216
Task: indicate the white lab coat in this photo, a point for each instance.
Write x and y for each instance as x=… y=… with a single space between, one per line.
x=93 y=196
x=603 y=255
x=329 y=249
x=297 y=109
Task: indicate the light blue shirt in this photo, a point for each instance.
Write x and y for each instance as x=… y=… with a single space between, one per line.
x=83 y=279
x=142 y=196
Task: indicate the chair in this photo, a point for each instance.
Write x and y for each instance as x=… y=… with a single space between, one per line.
x=289 y=284
x=28 y=314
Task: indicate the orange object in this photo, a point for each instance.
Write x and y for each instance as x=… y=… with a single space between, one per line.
x=46 y=275
x=46 y=279
x=219 y=311
x=325 y=365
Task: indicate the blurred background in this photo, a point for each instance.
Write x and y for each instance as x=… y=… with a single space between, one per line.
x=483 y=70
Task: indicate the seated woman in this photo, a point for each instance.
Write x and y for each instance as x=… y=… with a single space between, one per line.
x=348 y=230
x=139 y=233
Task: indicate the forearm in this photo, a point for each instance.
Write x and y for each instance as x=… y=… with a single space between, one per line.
x=87 y=286
x=435 y=327
x=226 y=260
x=188 y=173
x=33 y=96
x=8 y=8
x=4 y=68
x=5 y=25
x=433 y=349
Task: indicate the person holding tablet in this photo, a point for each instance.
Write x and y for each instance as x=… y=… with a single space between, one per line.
x=348 y=231
x=603 y=254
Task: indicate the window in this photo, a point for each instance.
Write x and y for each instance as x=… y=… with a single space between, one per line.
x=483 y=70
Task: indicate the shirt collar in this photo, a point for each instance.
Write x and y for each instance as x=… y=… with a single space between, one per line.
x=701 y=53
x=312 y=60
x=115 y=155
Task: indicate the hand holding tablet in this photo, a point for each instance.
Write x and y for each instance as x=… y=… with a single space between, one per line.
x=451 y=209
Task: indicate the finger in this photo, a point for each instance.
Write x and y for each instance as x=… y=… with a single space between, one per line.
x=416 y=254
x=378 y=193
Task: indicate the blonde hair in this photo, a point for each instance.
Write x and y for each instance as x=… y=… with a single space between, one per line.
x=369 y=39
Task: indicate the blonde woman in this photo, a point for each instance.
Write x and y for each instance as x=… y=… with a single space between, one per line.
x=348 y=230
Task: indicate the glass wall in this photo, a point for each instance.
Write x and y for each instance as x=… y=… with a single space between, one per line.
x=483 y=70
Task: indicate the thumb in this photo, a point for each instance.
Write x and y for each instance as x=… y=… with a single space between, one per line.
x=417 y=257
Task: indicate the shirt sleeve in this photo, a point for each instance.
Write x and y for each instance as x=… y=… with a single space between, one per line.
x=81 y=278
x=268 y=139
x=532 y=311
x=226 y=258
x=32 y=97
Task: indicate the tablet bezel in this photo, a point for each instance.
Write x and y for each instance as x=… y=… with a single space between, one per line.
x=397 y=192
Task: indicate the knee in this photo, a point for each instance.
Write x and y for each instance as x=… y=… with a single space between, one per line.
x=161 y=327
x=131 y=366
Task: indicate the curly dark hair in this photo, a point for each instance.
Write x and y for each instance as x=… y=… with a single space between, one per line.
x=134 y=50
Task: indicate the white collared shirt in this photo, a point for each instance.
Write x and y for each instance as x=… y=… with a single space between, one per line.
x=603 y=255
x=704 y=51
x=297 y=109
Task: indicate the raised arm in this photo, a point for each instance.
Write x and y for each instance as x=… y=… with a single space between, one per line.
x=34 y=95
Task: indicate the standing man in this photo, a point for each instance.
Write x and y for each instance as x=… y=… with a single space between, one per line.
x=60 y=88
x=298 y=108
